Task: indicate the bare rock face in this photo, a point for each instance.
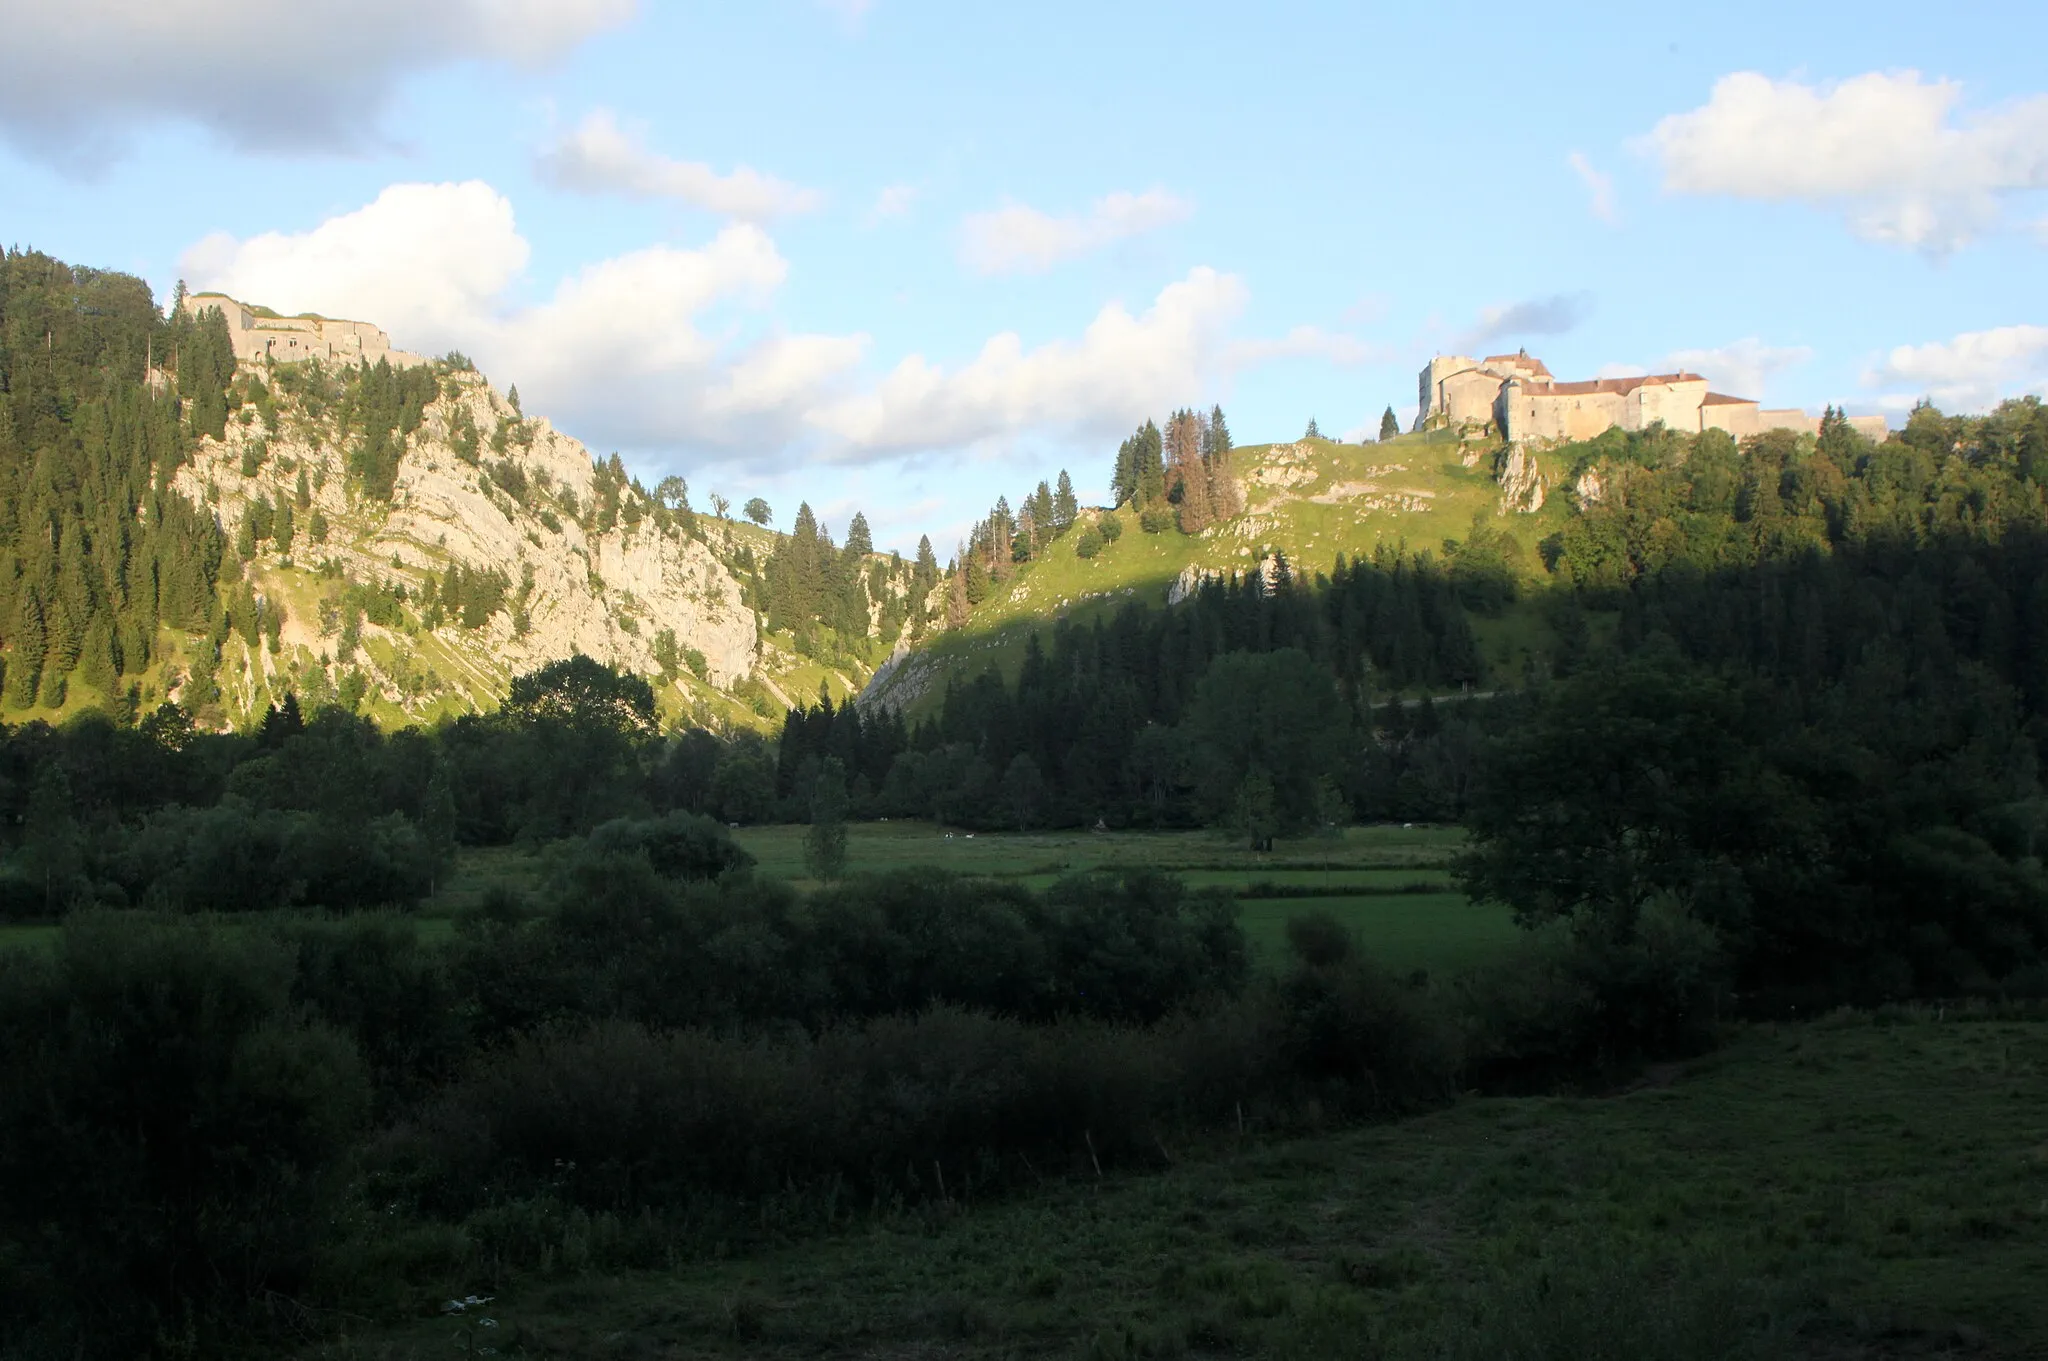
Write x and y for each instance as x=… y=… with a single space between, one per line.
x=572 y=588
x=1590 y=489
x=1522 y=484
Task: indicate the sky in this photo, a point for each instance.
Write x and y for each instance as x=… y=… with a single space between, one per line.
x=900 y=256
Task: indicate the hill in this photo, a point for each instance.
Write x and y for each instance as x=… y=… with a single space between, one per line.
x=398 y=540
x=1305 y=503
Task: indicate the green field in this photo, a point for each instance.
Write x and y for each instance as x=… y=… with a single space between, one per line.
x=1358 y=878
x=1848 y=1188
x=1438 y=931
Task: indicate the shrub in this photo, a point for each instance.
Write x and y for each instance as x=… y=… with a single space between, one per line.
x=1561 y=1004
x=1109 y=527
x=166 y=1123
x=1087 y=544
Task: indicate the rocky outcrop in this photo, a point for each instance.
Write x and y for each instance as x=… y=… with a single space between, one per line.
x=608 y=594
x=1522 y=484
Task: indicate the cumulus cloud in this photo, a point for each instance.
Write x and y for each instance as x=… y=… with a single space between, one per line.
x=1122 y=367
x=76 y=77
x=1970 y=372
x=426 y=262
x=1019 y=239
x=1889 y=151
x=600 y=157
x=1741 y=369
x=667 y=349
x=1551 y=316
x=1599 y=187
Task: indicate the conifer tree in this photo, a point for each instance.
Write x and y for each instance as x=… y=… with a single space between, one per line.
x=1312 y=432
x=957 y=603
x=1149 y=468
x=859 y=542
x=1187 y=478
x=1389 y=426
x=1064 y=507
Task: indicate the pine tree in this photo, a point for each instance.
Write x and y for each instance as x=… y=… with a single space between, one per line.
x=1219 y=431
x=1064 y=507
x=302 y=493
x=316 y=528
x=859 y=542
x=1186 y=475
x=957 y=603
x=1149 y=469
x=1312 y=432
x=1226 y=498
x=1389 y=426
x=825 y=842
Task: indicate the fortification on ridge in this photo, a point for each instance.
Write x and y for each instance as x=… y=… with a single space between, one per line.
x=260 y=334
x=1517 y=396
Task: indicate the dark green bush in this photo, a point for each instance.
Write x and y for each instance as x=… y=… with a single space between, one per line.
x=169 y=1125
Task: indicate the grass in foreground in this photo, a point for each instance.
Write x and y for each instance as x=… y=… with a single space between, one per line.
x=1846 y=1188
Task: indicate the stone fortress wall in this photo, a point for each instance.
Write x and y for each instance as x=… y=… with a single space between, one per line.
x=259 y=334
x=1516 y=395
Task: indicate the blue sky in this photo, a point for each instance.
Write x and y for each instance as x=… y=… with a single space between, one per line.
x=903 y=256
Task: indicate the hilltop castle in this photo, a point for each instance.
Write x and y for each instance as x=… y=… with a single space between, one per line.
x=1516 y=395
x=259 y=334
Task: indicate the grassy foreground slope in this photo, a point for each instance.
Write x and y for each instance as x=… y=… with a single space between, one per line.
x=1853 y=1187
x=1310 y=500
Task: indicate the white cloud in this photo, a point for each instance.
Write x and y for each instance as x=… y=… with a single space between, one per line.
x=600 y=157
x=1888 y=150
x=77 y=76
x=1020 y=239
x=1551 y=316
x=1741 y=369
x=1599 y=187
x=1122 y=367
x=426 y=262
x=895 y=200
x=663 y=350
x=1310 y=342
x=1970 y=372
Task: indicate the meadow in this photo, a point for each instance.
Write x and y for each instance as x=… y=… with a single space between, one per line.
x=1390 y=885
x=1861 y=1186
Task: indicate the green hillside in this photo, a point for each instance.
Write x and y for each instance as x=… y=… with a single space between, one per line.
x=1307 y=501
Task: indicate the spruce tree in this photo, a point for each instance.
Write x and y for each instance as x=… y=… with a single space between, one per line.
x=1149 y=470
x=1186 y=473
x=825 y=842
x=1064 y=507
x=1312 y=432
x=859 y=542
x=1389 y=426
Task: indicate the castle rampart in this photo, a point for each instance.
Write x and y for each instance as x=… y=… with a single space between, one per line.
x=259 y=334
x=1516 y=395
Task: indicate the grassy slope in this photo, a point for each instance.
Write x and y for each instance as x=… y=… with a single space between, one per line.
x=1879 y=1185
x=1417 y=490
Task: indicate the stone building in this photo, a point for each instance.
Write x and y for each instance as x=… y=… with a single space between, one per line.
x=1517 y=396
x=259 y=334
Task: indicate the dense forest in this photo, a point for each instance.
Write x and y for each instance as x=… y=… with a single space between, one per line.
x=100 y=397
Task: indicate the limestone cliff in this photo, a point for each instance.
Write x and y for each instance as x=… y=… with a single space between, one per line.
x=580 y=559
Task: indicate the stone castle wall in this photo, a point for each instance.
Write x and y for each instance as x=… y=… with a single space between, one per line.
x=1516 y=395
x=286 y=340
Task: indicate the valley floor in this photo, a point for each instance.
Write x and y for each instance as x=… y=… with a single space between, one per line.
x=1851 y=1187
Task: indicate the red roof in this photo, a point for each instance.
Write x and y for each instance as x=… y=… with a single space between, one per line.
x=1613 y=385
x=1723 y=399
